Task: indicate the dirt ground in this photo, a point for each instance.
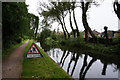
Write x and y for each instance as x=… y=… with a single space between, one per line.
x=12 y=66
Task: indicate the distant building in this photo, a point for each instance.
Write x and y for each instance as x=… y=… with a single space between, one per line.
x=117 y=34
x=97 y=34
x=110 y=34
x=59 y=33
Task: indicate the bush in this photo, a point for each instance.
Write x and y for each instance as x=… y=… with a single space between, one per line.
x=49 y=41
x=44 y=34
x=25 y=37
x=74 y=42
x=19 y=40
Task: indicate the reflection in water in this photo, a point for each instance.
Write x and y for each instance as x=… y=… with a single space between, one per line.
x=57 y=54
x=65 y=58
x=104 y=69
x=82 y=75
x=53 y=53
x=84 y=64
x=119 y=74
x=82 y=67
x=76 y=60
x=72 y=59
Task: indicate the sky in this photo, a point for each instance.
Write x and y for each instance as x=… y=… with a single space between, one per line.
x=97 y=17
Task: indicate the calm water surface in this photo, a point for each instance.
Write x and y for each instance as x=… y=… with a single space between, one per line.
x=82 y=66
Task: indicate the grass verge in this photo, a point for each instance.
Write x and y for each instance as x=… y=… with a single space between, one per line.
x=7 y=52
x=42 y=68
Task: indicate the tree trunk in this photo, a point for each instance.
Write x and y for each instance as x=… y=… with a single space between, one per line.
x=65 y=27
x=62 y=27
x=85 y=23
x=36 y=30
x=117 y=11
x=71 y=24
x=83 y=20
x=36 y=25
x=87 y=26
x=75 y=22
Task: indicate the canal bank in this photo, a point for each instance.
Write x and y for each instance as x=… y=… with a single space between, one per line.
x=82 y=63
x=41 y=68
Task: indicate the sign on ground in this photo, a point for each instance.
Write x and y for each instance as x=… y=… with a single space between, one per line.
x=33 y=52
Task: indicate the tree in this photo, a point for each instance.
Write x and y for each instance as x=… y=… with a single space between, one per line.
x=59 y=10
x=116 y=6
x=69 y=9
x=73 y=8
x=57 y=13
x=63 y=10
x=15 y=22
x=85 y=7
x=36 y=25
x=44 y=34
x=53 y=15
x=34 y=22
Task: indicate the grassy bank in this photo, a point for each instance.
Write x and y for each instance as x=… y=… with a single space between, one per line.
x=6 y=52
x=80 y=44
x=109 y=54
x=42 y=68
x=105 y=53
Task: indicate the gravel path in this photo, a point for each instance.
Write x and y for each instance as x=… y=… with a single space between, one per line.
x=12 y=66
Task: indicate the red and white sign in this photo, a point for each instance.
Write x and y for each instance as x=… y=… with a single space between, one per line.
x=33 y=52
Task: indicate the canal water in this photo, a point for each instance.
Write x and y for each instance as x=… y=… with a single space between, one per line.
x=82 y=65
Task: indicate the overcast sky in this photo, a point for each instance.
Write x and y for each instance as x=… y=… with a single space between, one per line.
x=98 y=17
